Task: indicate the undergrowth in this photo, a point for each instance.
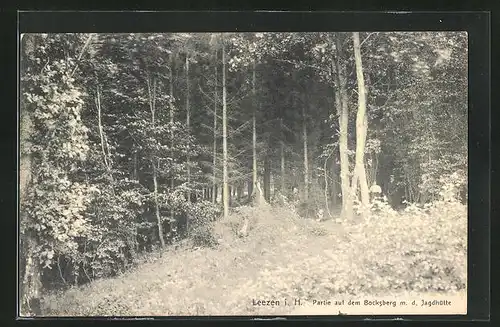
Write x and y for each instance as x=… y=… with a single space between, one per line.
x=422 y=249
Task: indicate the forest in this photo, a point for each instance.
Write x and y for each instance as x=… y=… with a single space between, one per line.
x=160 y=150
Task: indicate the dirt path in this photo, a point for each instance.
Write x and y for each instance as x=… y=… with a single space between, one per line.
x=278 y=263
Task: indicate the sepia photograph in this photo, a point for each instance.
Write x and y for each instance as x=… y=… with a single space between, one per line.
x=243 y=173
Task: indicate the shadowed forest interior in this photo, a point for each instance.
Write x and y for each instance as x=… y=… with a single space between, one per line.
x=141 y=146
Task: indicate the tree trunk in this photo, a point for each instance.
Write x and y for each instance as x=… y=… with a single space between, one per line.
x=134 y=174
x=249 y=189
x=282 y=155
x=225 y=189
x=361 y=128
x=101 y=129
x=306 y=160
x=254 y=132
x=214 y=164
x=239 y=192
x=172 y=182
x=30 y=282
x=258 y=195
x=157 y=208
x=267 y=178
x=188 y=118
x=333 y=172
x=152 y=103
x=341 y=101
x=327 y=195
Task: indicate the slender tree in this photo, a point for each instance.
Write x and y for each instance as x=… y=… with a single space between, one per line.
x=188 y=125
x=361 y=129
x=225 y=179
x=214 y=164
x=254 y=129
x=341 y=100
x=154 y=160
x=282 y=157
x=305 y=152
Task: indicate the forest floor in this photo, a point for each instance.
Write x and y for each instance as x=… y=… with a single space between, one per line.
x=288 y=258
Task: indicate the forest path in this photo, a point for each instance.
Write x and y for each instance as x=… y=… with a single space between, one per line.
x=206 y=281
x=281 y=260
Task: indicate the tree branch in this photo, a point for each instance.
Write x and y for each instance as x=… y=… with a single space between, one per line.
x=367 y=38
x=81 y=54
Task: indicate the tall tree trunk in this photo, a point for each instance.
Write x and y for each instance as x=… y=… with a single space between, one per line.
x=157 y=208
x=326 y=189
x=171 y=111
x=361 y=128
x=30 y=282
x=152 y=103
x=188 y=118
x=341 y=101
x=306 y=159
x=333 y=192
x=249 y=189
x=99 y=124
x=254 y=131
x=267 y=178
x=282 y=163
x=240 y=191
x=225 y=189
x=134 y=169
x=102 y=136
x=214 y=164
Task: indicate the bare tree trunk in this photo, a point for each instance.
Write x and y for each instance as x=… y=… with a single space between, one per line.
x=361 y=127
x=333 y=172
x=214 y=164
x=240 y=191
x=99 y=124
x=327 y=196
x=267 y=178
x=157 y=209
x=258 y=195
x=306 y=160
x=254 y=133
x=104 y=145
x=282 y=154
x=343 y=113
x=152 y=103
x=225 y=188
x=249 y=189
x=172 y=182
x=134 y=171
x=188 y=118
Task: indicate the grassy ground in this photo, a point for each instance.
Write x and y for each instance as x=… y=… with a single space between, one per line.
x=285 y=257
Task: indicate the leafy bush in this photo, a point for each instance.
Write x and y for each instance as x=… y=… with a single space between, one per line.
x=203 y=212
x=201 y=217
